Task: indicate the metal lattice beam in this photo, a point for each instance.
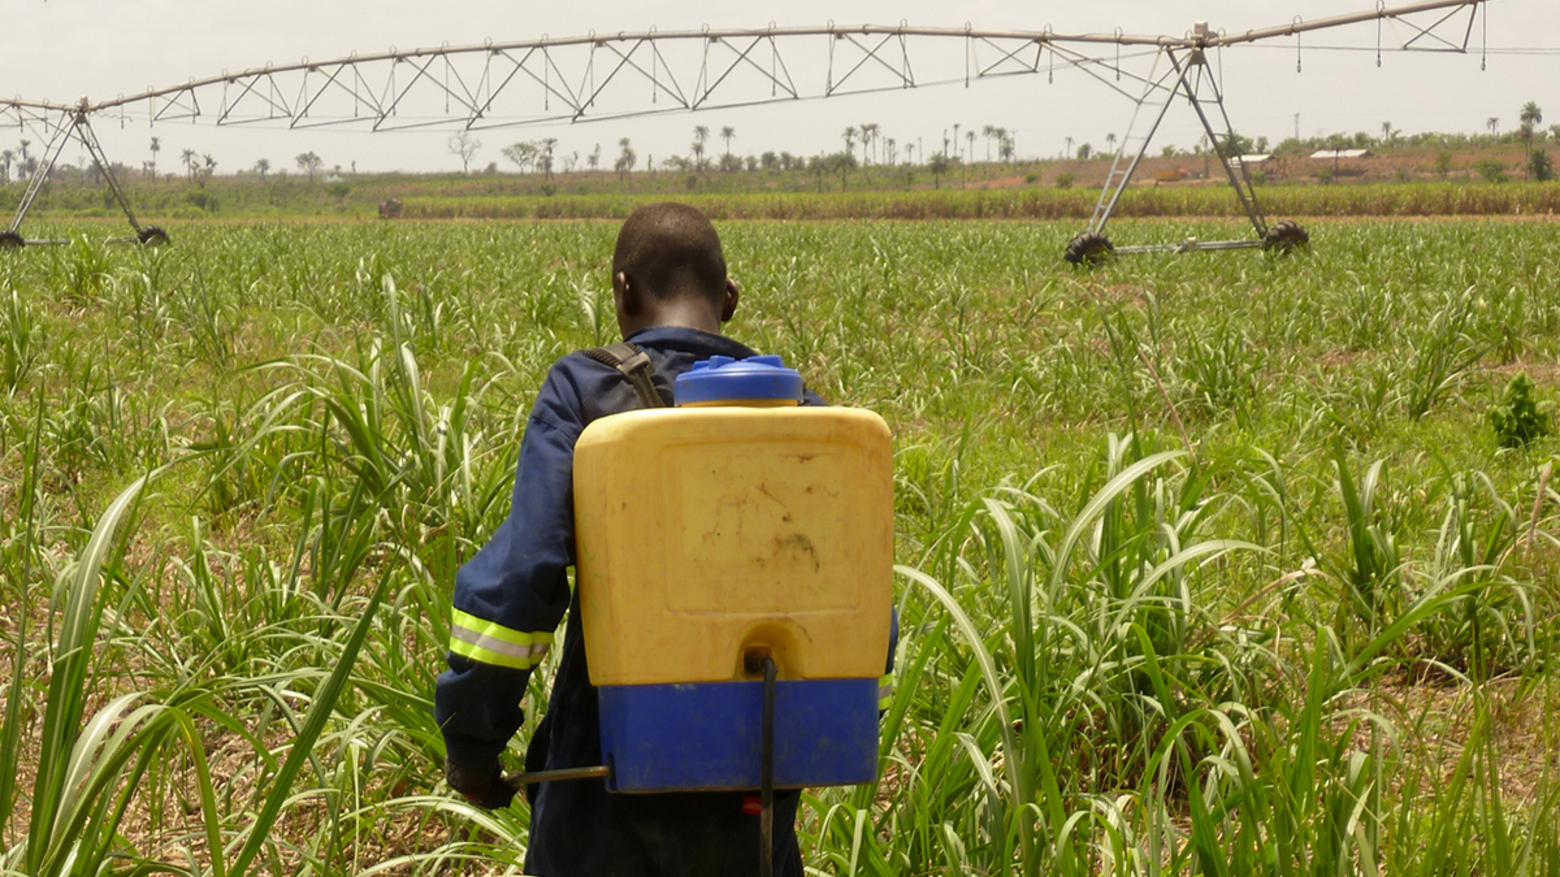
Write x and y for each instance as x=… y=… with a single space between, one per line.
x=608 y=76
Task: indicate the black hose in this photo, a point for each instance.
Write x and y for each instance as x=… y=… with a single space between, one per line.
x=766 y=776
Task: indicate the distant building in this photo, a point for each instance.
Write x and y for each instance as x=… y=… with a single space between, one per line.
x=1337 y=157
x=1253 y=161
x=1338 y=154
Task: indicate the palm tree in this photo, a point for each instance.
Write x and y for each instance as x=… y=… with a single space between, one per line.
x=969 y=137
x=263 y=166
x=625 y=160
x=700 y=134
x=156 y=148
x=546 y=156
x=726 y=133
x=188 y=156
x=1493 y=123
x=938 y=166
x=850 y=138
x=5 y=166
x=987 y=131
x=1069 y=141
x=888 y=146
x=594 y=158
x=1110 y=142
x=1531 y=118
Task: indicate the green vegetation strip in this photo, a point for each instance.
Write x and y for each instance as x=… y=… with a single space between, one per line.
x=506 y=197
x=1209 y=564
x=1423 y=199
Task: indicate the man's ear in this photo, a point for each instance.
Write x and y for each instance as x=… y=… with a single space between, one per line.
x=624 y=294
x=728 y=306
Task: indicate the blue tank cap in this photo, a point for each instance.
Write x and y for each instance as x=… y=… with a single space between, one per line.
x=724 y=379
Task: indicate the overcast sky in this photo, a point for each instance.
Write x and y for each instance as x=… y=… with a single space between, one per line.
x=64 y=48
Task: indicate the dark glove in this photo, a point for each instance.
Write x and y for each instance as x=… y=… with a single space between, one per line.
x=483 y=787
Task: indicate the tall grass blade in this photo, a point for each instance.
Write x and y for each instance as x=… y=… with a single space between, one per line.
x=21 y=564
x=1013 y=755
x=314 y=721
x=79 y=610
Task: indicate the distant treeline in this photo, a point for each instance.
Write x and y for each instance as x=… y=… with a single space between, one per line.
x=1419 y=199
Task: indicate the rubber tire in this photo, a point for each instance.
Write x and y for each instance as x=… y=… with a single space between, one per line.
x=1088 y=248
x=1285 y=237
x=151 y=236
x=10 y=240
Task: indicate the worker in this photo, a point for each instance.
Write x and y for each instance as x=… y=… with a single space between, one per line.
x=672 y=294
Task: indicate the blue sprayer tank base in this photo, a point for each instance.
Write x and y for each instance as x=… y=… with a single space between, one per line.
x=706 y=736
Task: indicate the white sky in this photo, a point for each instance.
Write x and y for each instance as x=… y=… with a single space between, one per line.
x=64 y=48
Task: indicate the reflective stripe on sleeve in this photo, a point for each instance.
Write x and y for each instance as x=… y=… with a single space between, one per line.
x=885 y=691
x=491 y=643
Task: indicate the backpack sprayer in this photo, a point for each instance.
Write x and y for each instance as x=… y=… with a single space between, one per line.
x=734 y=559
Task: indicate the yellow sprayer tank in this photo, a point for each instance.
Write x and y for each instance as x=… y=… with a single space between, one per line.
x=718 y=528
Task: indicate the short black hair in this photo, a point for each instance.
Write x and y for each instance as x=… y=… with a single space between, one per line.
x=671 y=249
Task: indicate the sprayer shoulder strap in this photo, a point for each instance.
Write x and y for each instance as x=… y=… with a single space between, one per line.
x=635 y=365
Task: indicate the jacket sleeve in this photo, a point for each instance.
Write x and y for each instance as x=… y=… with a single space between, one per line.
x=510 y=597
x=886 y=684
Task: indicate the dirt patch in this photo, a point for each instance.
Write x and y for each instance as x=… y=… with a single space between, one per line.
x=1339 y=357
x=1012 y=182
x=1107 y=294
x=1437 y=722
x=1541 y=372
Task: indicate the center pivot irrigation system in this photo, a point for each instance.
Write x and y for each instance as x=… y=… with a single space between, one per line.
x=600 y=76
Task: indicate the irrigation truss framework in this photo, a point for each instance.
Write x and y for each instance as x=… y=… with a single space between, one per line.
x=623 y=75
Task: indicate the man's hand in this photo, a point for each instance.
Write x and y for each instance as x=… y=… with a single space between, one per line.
x=484 y=788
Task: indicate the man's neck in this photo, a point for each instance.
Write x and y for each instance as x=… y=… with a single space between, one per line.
x=681 y=314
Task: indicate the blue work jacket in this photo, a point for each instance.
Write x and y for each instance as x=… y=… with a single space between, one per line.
x=511 y=596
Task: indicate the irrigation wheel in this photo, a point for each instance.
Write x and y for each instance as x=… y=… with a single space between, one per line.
x=151 y=235
x=1089 y=248
x=1286 y=237
x=10 y=240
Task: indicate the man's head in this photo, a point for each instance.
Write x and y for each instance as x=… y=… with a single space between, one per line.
x=668 y=269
